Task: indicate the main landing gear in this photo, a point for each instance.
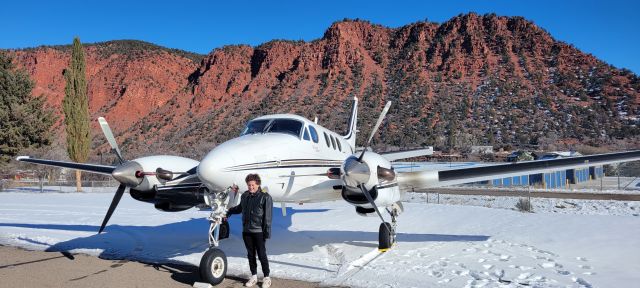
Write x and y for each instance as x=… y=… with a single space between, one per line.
x=213 y=265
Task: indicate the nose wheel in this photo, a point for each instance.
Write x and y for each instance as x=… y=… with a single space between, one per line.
x=387 y=232
x=213 y=266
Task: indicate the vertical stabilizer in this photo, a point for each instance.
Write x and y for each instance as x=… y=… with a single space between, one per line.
x=350 y=136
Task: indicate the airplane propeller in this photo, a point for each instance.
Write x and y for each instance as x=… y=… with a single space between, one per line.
x=356 y=172
x=122 y=173
x=128 y=173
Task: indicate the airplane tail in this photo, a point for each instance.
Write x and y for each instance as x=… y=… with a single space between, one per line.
x=350 y=136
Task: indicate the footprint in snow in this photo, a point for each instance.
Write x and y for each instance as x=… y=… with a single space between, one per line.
x=581 y=281
x=498 y=273
x=563 y=272
x=434 y=273
x=584 y=266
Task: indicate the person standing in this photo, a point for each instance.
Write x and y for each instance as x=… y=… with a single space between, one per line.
x=256 y=207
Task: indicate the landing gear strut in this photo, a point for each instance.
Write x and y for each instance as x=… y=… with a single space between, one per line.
x=387 y=232
x=213 y=265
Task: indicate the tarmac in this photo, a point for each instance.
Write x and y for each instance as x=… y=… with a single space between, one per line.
x=23 y=268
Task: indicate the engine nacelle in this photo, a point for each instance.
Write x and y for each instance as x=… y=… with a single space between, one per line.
x=151 y=163
x=378 y=177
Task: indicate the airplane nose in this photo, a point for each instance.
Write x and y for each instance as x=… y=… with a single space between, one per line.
x=211 y=169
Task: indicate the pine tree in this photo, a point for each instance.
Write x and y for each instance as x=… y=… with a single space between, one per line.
x=24 y=120
x=76 y=109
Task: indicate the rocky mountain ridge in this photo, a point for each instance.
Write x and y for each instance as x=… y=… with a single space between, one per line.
x=472 y=80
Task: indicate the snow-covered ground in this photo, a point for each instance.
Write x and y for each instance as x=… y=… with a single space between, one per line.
x=439 y=245
x=538 y=205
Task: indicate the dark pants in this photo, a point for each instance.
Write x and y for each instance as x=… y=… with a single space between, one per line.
x=254 y=242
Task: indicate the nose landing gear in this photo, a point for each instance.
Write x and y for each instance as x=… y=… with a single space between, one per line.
x=213 y=265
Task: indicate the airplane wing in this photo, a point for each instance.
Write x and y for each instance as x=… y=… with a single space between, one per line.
x=93 y=168
x=439 y=178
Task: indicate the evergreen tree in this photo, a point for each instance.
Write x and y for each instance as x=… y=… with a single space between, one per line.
x=24 y=120
x=76 y=109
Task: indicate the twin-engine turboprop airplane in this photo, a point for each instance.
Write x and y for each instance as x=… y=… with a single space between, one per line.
x=299 y=161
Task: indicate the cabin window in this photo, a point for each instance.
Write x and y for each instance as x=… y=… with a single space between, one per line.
x=326 y=138
x=333 y=142
x=286 y=126
x=314 y=134
x=339 y=145
x=305 y=136
x=255 y=126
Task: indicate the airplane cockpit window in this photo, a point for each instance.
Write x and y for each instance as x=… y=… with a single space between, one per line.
x=314 y=134
x=255 y=126
x=305 y=136
x=287 y=126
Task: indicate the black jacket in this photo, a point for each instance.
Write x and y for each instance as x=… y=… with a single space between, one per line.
x=256 y=212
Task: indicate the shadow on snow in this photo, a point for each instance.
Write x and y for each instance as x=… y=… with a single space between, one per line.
x=160 y=243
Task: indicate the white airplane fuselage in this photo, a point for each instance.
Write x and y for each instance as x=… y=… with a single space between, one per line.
x=292 y=167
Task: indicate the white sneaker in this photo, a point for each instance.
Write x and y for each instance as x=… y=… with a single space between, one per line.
x=266 y=282
x=252 y=281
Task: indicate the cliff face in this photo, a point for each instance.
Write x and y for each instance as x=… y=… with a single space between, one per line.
x=472 y=80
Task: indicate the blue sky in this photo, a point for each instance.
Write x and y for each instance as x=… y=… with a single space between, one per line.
x=606 y=29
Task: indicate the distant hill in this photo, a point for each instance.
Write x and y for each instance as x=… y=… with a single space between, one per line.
x=473 y=80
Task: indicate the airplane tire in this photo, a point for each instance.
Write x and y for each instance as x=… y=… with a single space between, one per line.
x=213 y=266
x=385 y=238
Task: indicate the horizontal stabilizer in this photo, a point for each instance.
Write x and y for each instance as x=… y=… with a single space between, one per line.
x=93 y=168
x=397 y=155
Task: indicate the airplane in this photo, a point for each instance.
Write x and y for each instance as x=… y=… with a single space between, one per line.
x=299 y=161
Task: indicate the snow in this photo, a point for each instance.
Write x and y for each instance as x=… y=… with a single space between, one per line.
x=538 y=205
x=439 y=245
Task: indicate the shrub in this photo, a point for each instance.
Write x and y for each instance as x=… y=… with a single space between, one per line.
x=524 y=205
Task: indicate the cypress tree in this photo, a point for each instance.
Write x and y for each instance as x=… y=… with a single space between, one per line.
x=76 y=109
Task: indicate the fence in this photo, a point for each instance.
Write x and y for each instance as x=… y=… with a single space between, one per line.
x=56 y=186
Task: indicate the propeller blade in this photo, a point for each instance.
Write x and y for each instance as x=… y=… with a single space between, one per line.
x=370 y=199
x=375 y=128
x=112 y=140
x=112 y=207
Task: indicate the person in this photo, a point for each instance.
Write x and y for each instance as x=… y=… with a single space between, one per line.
x=256 y=207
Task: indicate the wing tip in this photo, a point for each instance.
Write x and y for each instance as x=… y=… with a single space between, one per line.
x=20 y=158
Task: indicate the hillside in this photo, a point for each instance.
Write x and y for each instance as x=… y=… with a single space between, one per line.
x=472 y=80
